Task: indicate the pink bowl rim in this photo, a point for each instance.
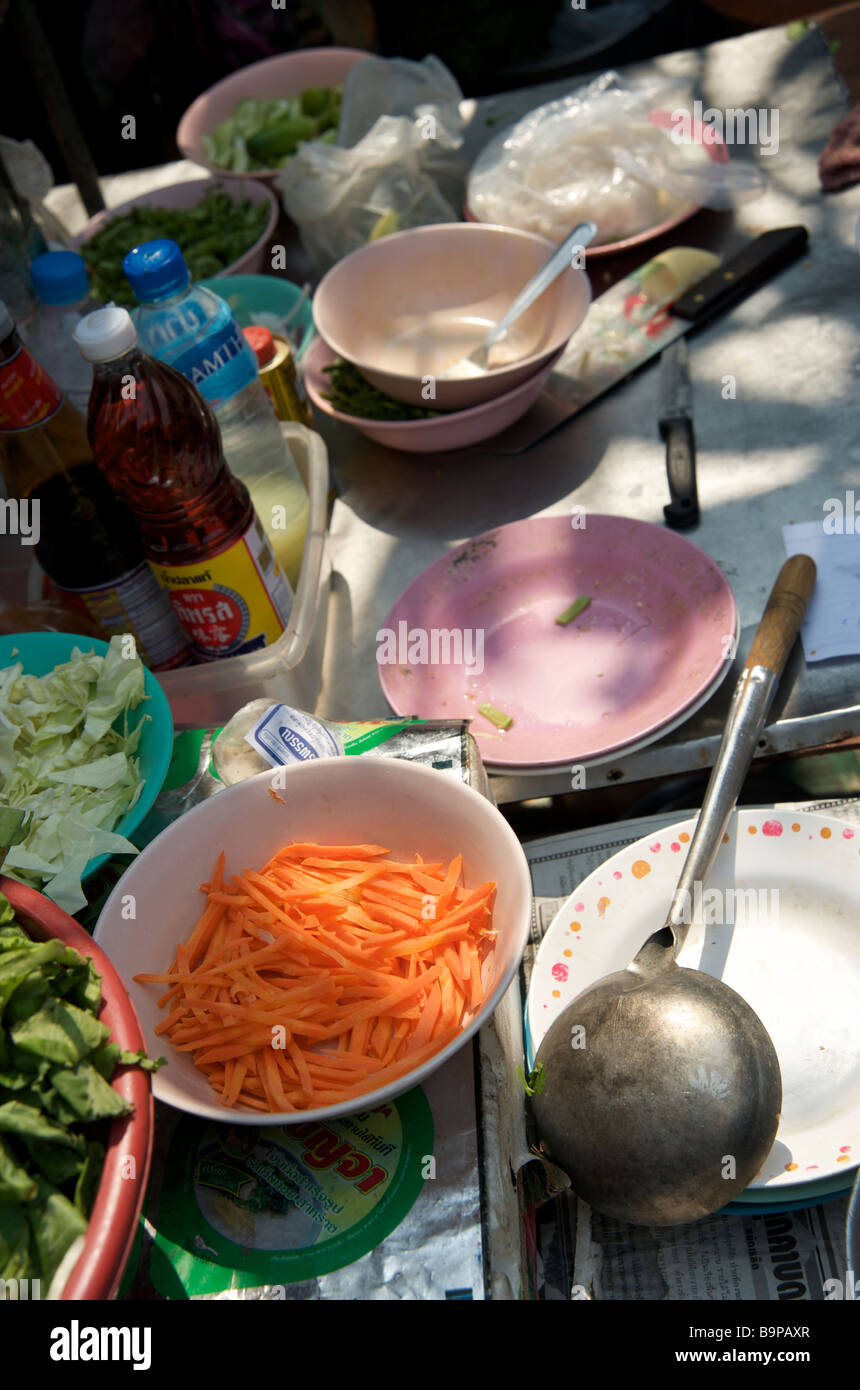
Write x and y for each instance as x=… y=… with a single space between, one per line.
x=471 y=412
x=114 y=1219
x=535 y=360
x=194 y=151
x=101 y=219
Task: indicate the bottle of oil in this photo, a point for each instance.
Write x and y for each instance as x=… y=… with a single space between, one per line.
x=157 y=443
x=193 y=329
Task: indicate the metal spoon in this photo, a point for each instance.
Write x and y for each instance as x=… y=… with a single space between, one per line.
x=559 y=261
x=667 y=1104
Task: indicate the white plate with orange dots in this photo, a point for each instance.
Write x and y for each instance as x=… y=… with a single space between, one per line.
x=779 y=921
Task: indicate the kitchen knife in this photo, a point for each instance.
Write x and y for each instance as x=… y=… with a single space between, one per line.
x=676 y=428
x=678 y=291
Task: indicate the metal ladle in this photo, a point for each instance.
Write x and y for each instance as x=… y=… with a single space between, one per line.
x=661 y=1089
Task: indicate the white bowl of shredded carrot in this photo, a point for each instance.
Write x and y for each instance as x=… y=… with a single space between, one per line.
x=317 y=940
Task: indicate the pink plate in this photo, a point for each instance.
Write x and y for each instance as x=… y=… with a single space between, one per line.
x=716 y=151
x=654 y=641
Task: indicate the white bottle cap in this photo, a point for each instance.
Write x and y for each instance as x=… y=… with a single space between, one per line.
x=7 y=323
x=105 y=333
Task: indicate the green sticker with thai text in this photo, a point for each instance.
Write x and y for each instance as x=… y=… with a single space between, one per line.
x=252 y=1206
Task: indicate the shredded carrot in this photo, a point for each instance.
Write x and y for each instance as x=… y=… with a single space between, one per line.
x=324 y=975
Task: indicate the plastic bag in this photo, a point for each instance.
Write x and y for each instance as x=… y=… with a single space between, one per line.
x=395 y=165
x=611 y=153
x=30 y=175
x=27 y=228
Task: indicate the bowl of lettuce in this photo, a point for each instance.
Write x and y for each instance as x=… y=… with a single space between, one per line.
x=253 y=119
x=76 y=1108
x=86 y=737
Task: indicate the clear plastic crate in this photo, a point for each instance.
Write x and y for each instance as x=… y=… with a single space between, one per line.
x=290 y=670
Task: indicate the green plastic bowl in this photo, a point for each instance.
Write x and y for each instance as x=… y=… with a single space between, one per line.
x=267 y=300
x=40 y=652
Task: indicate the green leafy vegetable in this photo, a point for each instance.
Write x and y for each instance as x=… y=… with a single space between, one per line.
x=16 y=1184
x=87 y=1093
x=211 y=235
x=60 y=1032
x=55 y=1222
x=265 y=134
x=534 y=1083
x=578 y=606
x=496 y=716
x=56 y=1063
x=62 y=761
x=352 y=395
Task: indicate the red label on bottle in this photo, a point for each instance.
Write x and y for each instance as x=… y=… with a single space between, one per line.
x=234 y=602
x=27 y=394
x=215 y=619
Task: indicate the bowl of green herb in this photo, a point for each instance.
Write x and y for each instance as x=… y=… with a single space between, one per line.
x=220 y=229
x=338 y=389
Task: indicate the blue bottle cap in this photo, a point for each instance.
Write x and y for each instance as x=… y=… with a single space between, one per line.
x=155 y=270
x=59 y=277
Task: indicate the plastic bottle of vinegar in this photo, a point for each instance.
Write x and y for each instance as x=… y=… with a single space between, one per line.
x=157 y=443
x=193 y=329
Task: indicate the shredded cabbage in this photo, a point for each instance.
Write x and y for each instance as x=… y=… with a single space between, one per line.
x=62 y=759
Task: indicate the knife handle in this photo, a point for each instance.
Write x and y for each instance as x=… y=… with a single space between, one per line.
x=737 y=277
x=683 y=510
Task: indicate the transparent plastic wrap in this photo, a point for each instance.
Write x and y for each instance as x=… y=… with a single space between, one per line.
x=395 y=166
x=629 y=158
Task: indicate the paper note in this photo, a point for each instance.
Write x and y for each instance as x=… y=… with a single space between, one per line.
x=832 y=624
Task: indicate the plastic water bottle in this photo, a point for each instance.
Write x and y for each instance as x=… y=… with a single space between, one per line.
x=60 y=282
x=193 y=330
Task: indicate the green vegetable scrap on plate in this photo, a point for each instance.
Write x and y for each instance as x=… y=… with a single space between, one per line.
x=352 y=395
x=56 y=1063
x=62 y=760
x=578 y=606
x=265 y=134
x=534 y=1083
x=496 y=716
x=211 y=236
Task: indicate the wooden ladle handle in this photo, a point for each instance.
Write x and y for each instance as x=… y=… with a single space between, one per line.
x=783 y=615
